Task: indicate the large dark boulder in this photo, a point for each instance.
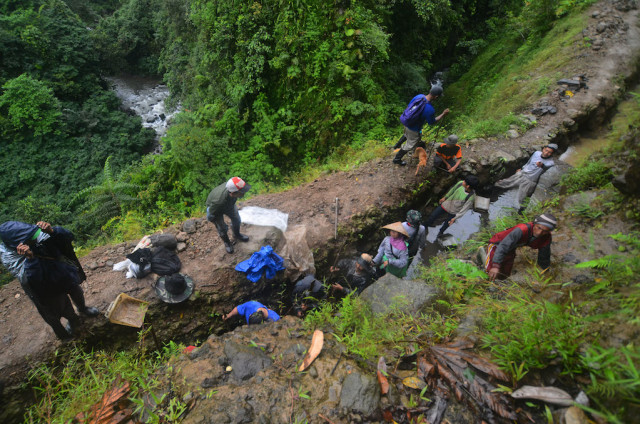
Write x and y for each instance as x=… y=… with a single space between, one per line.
x=410 y=296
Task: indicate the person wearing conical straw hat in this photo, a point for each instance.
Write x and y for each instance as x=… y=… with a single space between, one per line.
x=393 y=254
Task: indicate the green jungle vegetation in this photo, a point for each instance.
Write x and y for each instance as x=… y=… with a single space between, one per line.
x=278 y=92
x=272 y=91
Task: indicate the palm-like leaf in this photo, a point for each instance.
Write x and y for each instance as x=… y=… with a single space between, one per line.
x=106 y=200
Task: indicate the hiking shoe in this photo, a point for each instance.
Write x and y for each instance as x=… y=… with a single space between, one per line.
x=481 y=256
x=241 y=237
x=90 y=311
x=228 y=247
x=399 y=162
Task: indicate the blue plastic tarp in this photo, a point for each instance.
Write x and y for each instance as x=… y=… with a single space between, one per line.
x=263 y=261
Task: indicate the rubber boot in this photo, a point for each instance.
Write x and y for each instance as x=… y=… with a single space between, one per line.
x=400 y=142
x=227 y=243
x=398 y=159
x=78 y=298
x=240 y=237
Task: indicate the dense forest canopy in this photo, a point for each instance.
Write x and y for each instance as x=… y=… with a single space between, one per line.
x=268 y=87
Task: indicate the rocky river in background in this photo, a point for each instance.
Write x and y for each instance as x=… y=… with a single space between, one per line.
x=146 y=98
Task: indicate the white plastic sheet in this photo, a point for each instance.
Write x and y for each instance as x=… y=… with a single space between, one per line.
x=255 y=215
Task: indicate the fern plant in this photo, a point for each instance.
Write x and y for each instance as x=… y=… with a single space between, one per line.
x=107 y=200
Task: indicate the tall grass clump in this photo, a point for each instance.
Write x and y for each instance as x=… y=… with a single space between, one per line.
x=591 y=175
x=363 y=333
x=78 y=379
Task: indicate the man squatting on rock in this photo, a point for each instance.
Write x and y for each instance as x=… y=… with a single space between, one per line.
x=222 y=201
x=526 y=179
x=448 y=154
x=50 y=271
x=500 y=254
x=413 y=134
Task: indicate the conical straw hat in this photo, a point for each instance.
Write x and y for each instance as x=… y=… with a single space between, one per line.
x=397 y=226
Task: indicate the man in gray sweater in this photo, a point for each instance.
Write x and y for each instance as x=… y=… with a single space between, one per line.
x=526 y=179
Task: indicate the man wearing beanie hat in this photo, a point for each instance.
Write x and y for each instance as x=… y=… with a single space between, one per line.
x=448 y=154
x=499 y=256
x=526 y=179
x=458 y=200
x=417 y=233
x=222 y=201
x=412 y=133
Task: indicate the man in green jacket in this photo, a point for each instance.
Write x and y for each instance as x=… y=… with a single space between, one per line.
x=222 y=201
x=458 y=200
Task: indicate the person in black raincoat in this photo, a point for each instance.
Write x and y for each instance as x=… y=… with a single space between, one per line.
x=43 y=260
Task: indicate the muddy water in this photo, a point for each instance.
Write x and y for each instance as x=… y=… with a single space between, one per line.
x=578 y=153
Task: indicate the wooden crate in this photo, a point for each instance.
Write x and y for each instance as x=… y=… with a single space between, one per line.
x=127 y=310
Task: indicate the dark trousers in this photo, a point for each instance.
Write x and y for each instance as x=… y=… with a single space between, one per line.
x=438 y=162
x=217 y=218
x=435 y=214
x=52 y=309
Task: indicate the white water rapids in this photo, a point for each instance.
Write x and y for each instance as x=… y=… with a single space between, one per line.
x=146 y=98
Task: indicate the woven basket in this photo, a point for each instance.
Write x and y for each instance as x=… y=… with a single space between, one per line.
x=127 y=310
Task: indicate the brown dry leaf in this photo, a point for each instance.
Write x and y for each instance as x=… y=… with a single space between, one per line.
x=462 y=343
x=382 y=379
x=106 y=411
x=384 y=383
x=547 y=394
x=475 y=360
x=316 y=347
x=388 y=416
x=498 y=402
x=425 y=369
x=450 y=379
x=414 y=382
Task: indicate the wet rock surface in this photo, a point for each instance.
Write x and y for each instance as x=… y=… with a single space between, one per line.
x=391 y=292
x=268 y=387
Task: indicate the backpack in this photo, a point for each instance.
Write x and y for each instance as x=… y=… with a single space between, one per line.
x=412 y=115
x=164 y=261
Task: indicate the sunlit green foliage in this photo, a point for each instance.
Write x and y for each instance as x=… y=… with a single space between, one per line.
x=362 y=332
x=493 y=88
x=58 y=124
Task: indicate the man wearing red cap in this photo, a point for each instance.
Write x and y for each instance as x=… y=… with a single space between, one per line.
x=222 y=201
